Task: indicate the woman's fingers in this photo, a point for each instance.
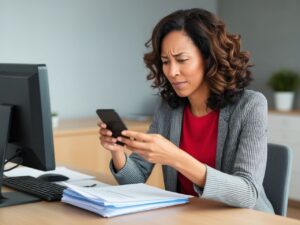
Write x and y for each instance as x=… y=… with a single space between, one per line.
x=105 y=132
x=113 y=147
x=110 y=144
x=133 y=144
x=136 y=140
x=106 y=139
x=101 y=125
x=142 y=137
x=110 y=140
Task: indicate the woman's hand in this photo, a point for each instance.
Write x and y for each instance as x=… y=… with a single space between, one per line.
x=106 y=138
x=110 y=143
x=152 y=147
x=157 y=149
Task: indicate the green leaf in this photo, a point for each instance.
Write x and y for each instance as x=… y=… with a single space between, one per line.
x=284 y=80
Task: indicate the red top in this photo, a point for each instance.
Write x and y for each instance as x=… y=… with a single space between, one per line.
x=199 y=139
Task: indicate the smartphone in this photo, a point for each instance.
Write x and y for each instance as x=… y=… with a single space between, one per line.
x=113 y=122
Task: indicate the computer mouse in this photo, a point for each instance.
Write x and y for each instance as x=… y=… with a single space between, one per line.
x=53 y=177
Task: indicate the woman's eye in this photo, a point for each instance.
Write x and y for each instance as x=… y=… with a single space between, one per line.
x=181 y=60
x=165 y=62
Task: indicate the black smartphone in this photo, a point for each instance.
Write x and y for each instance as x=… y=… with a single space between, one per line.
x=113 y=122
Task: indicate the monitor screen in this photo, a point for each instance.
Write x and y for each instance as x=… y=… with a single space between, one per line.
x=25 y=123
x=25 y=88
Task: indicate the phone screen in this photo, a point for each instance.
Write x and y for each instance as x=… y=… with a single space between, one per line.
x=113 y=121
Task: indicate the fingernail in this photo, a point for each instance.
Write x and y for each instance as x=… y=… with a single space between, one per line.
x=119 y=139
x=124 y=132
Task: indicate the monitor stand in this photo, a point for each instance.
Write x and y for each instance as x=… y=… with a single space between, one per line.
x=9 y=198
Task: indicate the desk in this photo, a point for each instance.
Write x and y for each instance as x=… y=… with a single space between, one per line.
x=198 y=211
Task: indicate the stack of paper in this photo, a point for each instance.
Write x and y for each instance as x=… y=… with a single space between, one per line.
x=123 y=199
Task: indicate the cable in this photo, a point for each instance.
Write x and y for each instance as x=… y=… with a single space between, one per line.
x=18 y=154
x=18 y=164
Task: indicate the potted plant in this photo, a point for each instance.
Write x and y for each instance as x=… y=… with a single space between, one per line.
x=284 y=83
x=55 y=119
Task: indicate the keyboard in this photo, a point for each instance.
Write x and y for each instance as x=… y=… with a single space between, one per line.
x=45 y=190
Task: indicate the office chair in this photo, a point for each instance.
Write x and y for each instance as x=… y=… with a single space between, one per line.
x=277 y=177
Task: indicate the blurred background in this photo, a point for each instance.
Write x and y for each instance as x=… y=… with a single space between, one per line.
x=94 y=50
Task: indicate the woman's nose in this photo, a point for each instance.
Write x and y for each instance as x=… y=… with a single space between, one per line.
x=173 y=70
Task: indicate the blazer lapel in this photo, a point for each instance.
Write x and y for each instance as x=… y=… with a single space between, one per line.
x=222 y=133
x=175 y=133
x=176 y=125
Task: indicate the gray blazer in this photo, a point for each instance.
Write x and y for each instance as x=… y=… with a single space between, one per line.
x=240 y=160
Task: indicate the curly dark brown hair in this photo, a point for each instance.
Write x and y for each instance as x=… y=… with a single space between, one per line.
x=227 y=67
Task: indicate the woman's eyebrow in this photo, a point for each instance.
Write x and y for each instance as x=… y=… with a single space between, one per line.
x=176 y=55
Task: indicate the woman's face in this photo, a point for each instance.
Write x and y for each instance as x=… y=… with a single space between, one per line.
x=183 y=64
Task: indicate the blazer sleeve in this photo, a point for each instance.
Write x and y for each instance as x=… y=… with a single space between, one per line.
x=136 y=169
x=242 y=187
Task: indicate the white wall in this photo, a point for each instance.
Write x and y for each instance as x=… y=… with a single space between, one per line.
x=93 y=49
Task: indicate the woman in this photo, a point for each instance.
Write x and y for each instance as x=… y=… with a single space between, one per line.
x=208 y=132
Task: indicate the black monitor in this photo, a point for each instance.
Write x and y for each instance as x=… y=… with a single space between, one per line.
x=25 y=122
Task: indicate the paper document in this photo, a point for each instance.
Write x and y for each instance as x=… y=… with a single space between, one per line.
x=122 y=199
x=85 y=183
x=26 y=171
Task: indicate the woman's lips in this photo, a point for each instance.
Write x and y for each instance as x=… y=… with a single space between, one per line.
x=179 y=85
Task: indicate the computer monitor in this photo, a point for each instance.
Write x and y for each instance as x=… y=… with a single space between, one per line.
x=25 y=122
